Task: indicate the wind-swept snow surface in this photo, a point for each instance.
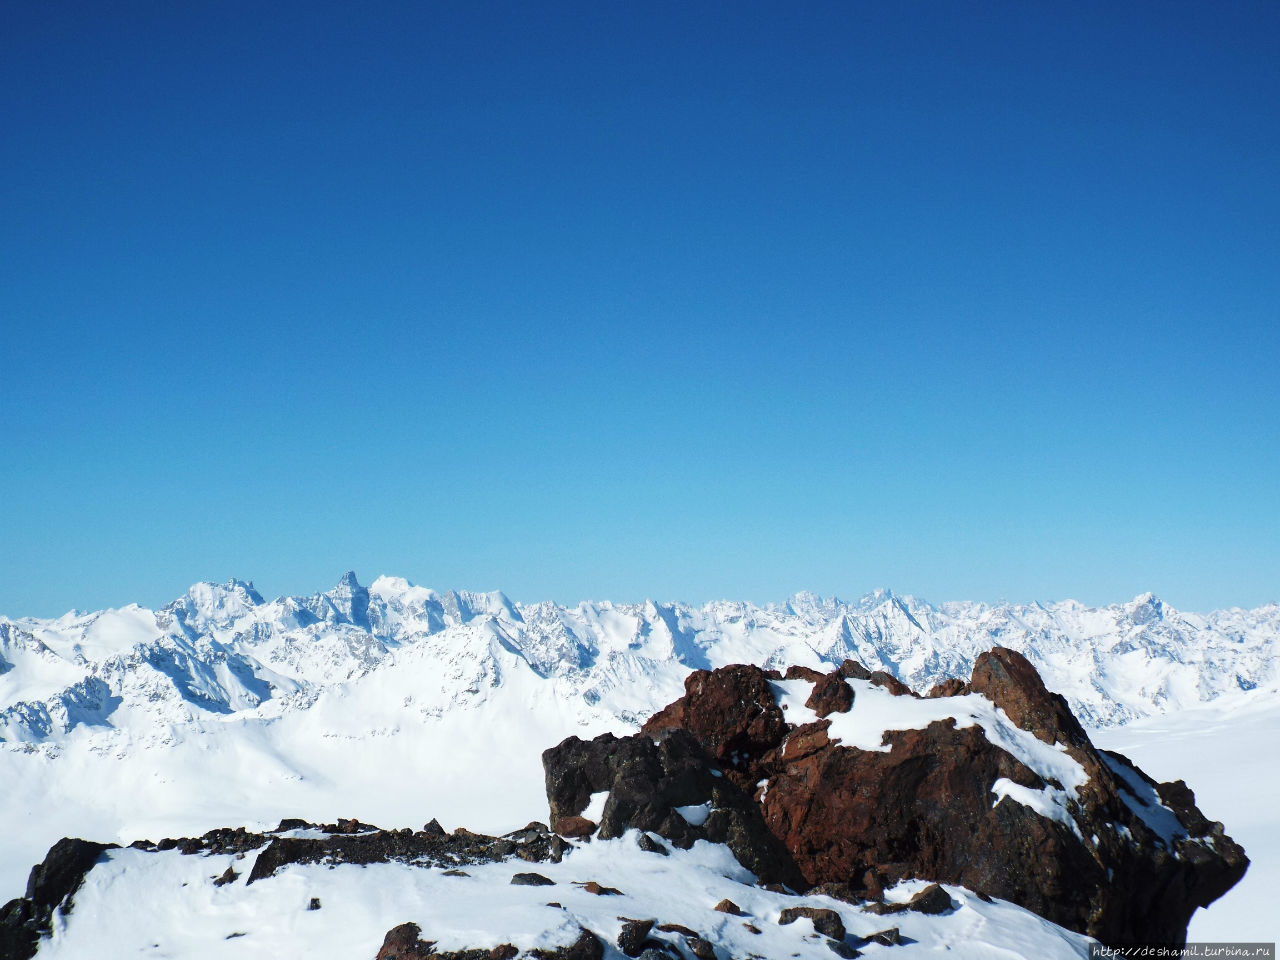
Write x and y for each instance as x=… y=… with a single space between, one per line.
x=187 y=917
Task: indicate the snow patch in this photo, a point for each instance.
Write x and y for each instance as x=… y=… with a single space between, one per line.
x=1048 y=801
x=595 y=806
x=696 y=814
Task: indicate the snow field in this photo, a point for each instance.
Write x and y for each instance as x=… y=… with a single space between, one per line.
x=185 y=917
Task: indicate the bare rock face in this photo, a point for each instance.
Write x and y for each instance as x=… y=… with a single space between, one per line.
x=1116 y=855
x=732 y=713
x=670 y=787
x=405 y=943
x=51 y=885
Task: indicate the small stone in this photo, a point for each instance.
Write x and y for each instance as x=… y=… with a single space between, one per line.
x=228 y=877
x=728 y=906
x=842 y=949
x=504 y=951
x=751 y=928
x=575 y=828
x=586 y=947
x=931 y=900
x=459 y=873
x=634 y=933
x=836 y=891
x=314 y=904
x=592 y=887
x=650 y=845
x=888 y=938
x=797 y=672
x=677 y=928
x=501 y=850
x=433 y=828
x=883 y=909
x=702 y=949
x=825 y=921
x=532 y=880
x=852 y=668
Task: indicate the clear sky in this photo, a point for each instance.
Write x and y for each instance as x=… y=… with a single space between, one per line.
x=625 y=300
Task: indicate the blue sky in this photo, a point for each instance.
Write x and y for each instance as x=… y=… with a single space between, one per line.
x=612 y=300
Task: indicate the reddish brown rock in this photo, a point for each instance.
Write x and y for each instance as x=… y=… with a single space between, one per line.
x=854 y=669
x=864 y=820
x=574 y=827
x=728 y=906
x=891 y=683
x=731 y=711
x=797 y=672
x=1007 y=679
x=405 y=943
x=679 y=928
x=830 y=695
x=952 y=687
x=592 y=886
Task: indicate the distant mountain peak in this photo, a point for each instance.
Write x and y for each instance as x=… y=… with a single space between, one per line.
x=348 y=581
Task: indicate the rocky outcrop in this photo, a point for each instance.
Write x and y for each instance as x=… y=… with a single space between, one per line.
x=670 y=787
x=405 y=943
x=1001 y=792
x=51 y=885
x=533 y=844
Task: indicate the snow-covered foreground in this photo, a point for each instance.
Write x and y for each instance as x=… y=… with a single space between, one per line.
x=184 y=916
x=1227 y=754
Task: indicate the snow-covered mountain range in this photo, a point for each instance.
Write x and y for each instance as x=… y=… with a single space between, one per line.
x=222 y=651
x=397 y=703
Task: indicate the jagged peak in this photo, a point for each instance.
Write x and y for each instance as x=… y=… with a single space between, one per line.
x=875 y=598
x=805 y=603
x=1146 y=607
x=347 y=582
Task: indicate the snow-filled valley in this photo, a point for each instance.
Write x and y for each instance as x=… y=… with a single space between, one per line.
x=396 y=704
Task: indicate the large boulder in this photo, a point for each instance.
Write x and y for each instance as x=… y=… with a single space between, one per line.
x=992 y=785
x=51 y=886
x=670 y=787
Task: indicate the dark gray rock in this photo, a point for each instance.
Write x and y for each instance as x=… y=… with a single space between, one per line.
x=532 y=880
x=825 y=921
